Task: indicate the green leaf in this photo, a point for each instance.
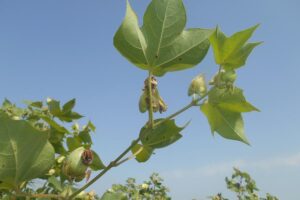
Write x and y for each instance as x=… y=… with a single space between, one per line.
x=73 y=143
x=130 y=41
x=56 y=136
x=54 y=124
x=54 y=107
x=37 y=104
x=59 y=148
x=56 y=183
x=25 y=152
x=6 y=103
x=114 y=196
x=97 y=163
x=161 y=45
x=232 y=52
x=69 y=116
x=228 y=124
x=162 y=135
x=233 y=101
x=142 y=153
x=6 y=186
x=85 y=137
x=91 y=126
x=67 y=107
x=66 y=114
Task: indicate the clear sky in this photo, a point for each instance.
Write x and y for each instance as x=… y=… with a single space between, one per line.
x=63 y=49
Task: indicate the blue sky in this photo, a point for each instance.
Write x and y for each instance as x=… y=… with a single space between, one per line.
x=63 y=50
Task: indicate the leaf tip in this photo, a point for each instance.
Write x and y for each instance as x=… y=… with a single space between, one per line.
x=186 y=124
x=256 y=26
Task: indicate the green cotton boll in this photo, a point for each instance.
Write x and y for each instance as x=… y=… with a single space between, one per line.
x=73 y=166
x=198 y=86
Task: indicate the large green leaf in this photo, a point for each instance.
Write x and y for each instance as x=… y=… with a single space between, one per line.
x=161 y=45
x=162 y=135
x=231 y=100
x=228 y=124
x=232 y=52
x=25 y=152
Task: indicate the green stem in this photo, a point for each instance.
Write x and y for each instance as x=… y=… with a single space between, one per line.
x=219 y=75
x=150 y=111
x=193 y=103
x=48 y=196
x=112 y=164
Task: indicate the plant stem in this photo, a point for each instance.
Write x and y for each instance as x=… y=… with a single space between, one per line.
x=219 y=75
x=112 y=164
x=129 y=157
x=150 y=111
x=193 y=103
x=54 y=196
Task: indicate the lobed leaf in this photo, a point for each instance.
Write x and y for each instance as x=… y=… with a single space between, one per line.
x=232 y=52
x=228 y=124
x=161 y=45
x=233 y=101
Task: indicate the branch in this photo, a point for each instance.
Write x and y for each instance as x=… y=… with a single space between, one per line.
x=129 y=157
x=150 y=111
x=193 y=103
x=48 y=196
x=112 y=164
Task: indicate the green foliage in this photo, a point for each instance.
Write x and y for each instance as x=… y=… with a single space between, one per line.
x=223 y=110
x=228 y=124
x=35 y=143
x=25 y=152
x=161 y=136
x=226 y=102
x=232 y=52
x=142 y=152
x=162 y=44
x=233 y=101
x=45 y=141
x=243 y=186
x=152 y=189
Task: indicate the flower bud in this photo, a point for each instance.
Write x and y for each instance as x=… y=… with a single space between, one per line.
x=229 y=76
x=198 y=86
x=51 y=172
x=145 y=186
